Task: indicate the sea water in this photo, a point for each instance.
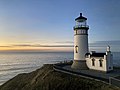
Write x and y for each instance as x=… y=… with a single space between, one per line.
x=13 y=63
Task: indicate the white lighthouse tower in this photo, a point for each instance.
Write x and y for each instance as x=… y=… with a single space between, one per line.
x=80 y=43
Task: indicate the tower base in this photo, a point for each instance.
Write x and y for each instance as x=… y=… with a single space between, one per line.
x=79 y=64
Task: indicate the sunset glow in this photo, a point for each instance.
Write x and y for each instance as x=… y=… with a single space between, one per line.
x=48 y=25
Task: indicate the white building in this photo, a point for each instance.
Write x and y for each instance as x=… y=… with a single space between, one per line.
x=100 y=61
x=82 y=58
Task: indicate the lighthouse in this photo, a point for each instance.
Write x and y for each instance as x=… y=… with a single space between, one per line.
x=80 y=43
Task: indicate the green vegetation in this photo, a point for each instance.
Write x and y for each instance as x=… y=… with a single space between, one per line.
x=46 y=78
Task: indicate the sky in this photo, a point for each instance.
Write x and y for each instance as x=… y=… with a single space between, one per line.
x=48 y=24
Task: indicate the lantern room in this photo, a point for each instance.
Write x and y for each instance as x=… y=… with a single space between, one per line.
x=81 y=22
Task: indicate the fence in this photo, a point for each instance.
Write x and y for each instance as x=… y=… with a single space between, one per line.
x=114 y=81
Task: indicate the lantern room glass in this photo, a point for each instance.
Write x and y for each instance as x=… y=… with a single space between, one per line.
x=81 y=23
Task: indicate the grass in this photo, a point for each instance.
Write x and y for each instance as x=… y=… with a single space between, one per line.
x=46 y=78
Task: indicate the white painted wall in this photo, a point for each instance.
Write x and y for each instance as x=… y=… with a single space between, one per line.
x=82 y=42
x=107 y=62
x=97 y=63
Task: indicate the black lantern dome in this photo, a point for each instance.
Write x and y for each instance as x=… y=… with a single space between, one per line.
x=80 y=18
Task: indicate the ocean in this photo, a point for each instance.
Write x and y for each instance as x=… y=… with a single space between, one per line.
x=13 y=63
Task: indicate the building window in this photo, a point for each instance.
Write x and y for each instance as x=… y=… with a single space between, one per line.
x=76 y=49
x=93 y=62
x=109 y=67
x=100 y=62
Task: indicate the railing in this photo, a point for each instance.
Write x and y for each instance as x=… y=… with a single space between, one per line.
x=114 y=81
x=81 y=26
x=59 y=67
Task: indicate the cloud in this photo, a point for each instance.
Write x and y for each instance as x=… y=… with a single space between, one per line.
x=52 y=45
x=37 y=45
x=22 y=45
x=70 y=42
x=101 y=45
x=114 y=41
x=94 y=44
x=105 y=43
x=98 y=45
x=5 y=46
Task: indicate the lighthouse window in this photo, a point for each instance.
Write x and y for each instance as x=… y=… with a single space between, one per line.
x=79 y=31
x=93 y=62
x=76 y=32
x=76 y=49
x=83 y=31
x=100 y=62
